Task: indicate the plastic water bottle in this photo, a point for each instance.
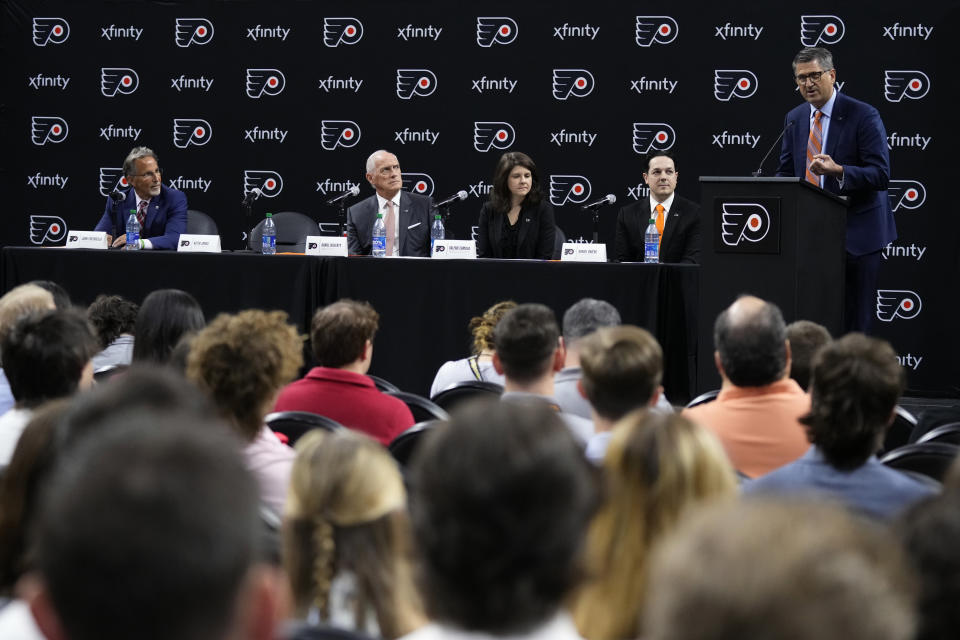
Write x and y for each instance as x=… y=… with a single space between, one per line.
x=269 y=236
x=379 y=245
x=436 y=231
x=133 y=232
x=651 y=243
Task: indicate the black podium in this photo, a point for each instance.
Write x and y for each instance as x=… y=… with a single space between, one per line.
x=781 y=239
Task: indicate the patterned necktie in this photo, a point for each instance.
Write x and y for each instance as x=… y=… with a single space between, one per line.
x=142 y=213
x=390 y=222
x=814 y=145
x=659 y=223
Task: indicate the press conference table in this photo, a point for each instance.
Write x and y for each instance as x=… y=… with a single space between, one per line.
x=424 y=304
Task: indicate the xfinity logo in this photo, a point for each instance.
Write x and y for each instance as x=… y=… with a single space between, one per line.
x=430 y=32
x=40 y=80
x=572 y=82
x=479 y=190
x=897 y=303
x=420 y=183
x=112 y=179
x=915 y=141
x=38 y=180
x=495 y=135
x=257 y=134
x=729 y=31
x=47 y=228
x=45 y=129
x=114 y=80
x=330 y=83
x=911 y=84
x=910 y=361
x=183 y=82
x=820 y=29
x=50 y=31
x=568 y=188
x=338 y=133
x=652 y=135
x=489 y=84
x=407 y=135
x=114 y=32
x=198 y=184
x=269 y=182
x=912 y=251
x=638 y=192
x=726 y=139
x=643 y=84
x=341 y=30
x=563 y=137
x=501 y=30
x=267 y=33
x=113 y=132
x=187 y=131
x=908 y=194
x=568 y=31
x=329 y=186
x=744 y=221
x=655 y=29
x=730 y=83
x=419 y=82
x=193 y=31
x=268 y=82
x=897 y=30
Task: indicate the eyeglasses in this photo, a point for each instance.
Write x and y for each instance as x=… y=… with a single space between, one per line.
x=149 y=174
x=815 y=76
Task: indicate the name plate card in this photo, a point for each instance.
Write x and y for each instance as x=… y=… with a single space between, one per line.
x=87 y=240
x=583 y=252
x=196 y=243
x=330 y=246
x=449 y=249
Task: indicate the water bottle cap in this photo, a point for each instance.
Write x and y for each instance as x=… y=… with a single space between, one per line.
x=436 y=217
x=269 y=215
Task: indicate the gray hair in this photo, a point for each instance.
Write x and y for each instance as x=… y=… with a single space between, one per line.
x=129 y=165
x=372 y=160
x=821 y=56
x=586 y=316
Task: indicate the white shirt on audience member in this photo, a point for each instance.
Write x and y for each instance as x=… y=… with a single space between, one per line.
x=12 y=424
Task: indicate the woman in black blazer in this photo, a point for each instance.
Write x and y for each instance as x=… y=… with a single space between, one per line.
x=516 y=222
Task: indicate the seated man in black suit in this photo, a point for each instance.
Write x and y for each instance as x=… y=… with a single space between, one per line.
x=678 y=222
x=406 y=215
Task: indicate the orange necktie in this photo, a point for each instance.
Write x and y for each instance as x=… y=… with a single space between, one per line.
x=659 y=222
x=814 y=145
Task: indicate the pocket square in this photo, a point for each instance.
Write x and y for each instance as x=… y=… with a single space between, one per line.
x=415 y=224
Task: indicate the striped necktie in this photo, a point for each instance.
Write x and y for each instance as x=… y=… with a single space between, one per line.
x=814 y=145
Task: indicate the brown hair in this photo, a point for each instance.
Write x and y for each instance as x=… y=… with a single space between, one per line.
x=622 y=368
x=500 y=194
x=481 y=327
x=340 y=331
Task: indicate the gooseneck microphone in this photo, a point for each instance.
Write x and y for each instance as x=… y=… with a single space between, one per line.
x=459 y=195
x=759 y=171
x=593 y=206
x=251 y=195
x=352 y=191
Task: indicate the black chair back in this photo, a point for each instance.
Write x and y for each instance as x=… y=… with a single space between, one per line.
x=200 y=223
x=466 y=390
x=559 y=237
x=932 y=459
x=292 y=231
x=421 y=408
x=704 y=398
x=899 y=432
x=383 y=385
x=406 y=443
x=294 y=424
x=948 y=433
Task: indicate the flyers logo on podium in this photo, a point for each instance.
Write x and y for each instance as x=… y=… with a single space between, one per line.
x=815 y=30
x=501 y=30
x=188 y=131
x=418 y=183
x=112 y=179
x=47 y=229
x=733 y=83
x=269 y=182
x=44 y=129
x=338 y=133
x=747 y=225
x=193 y=31
x=262 y=82
x=114 y=80
x=496 y=135
x=906 y=194
x=578 y=83
x=655 y=29
x=569 y=188
x=658 y=136
x=50 y=31
x=897 y=303
x=341 y=30
x=415 y=82
x=898 y=85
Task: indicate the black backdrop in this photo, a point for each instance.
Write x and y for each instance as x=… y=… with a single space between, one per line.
x=293 y=96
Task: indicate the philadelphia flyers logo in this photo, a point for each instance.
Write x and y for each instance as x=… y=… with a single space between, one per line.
x=744 y=221
x=47 y=229
x=897 y=303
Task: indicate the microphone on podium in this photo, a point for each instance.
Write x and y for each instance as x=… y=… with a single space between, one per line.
x=459 y=195
x=593 y=206
x=759 y=171
x=352 y=191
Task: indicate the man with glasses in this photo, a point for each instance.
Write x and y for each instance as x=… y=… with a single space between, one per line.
x=160 y=210
x=840 y=145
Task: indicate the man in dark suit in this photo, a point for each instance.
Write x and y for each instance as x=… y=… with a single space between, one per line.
x=840 y=144
x=677 y=219
x=161 y=210
x=406 y=215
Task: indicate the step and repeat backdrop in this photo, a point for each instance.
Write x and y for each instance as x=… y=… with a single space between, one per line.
x=291 y=98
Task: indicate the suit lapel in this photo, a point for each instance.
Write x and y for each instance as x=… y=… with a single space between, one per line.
x=526 y=221
x=836 y=124
x=669 y=222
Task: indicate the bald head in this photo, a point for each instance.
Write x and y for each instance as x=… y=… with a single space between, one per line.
x=750 y=337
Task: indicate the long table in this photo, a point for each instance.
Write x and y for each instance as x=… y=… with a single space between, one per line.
x=424 y=305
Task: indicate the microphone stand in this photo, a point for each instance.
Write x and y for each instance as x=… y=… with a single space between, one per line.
x=596 y=225
x=342 y=217
x=247 y=205
x=445 y=212
x=118 y=221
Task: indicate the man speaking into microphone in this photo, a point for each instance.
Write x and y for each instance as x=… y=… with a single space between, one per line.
x=840 y=145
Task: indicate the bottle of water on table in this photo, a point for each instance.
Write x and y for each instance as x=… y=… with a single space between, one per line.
x=133 y=232
x=269 y=236
x=651 y=243
x=436 y=231
x=379 y=242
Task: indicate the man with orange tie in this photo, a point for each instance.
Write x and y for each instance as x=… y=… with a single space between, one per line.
x=677 y=219
x=840 y=145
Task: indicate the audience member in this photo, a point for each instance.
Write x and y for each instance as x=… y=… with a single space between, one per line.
x=528 y=352
x=778 y=571
x=854 y=391
x=479 y=366
x=342 y=337
x=61 y=299
x=501 y=499
x=581 y=319
x=622 y=368
x=658 y=467
x=164 y=317
x=14 y=305
x=242 y=361
x=346 y=537
x=113 y=318
x=757 y=413
x=805 y=339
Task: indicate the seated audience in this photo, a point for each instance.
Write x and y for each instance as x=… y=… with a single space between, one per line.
x=241 y=362
x=14 y=305
x=346 y=537
x=113 y=318
x=164 y=317
x=657 y=468
x=856 y=384
x=342 y=338
x=501 y=499
x=778 y=571
x=61 y=299
x=757 y=413
x=479 y=366
x=805 y=339
x=581 y=319
x=528 y=352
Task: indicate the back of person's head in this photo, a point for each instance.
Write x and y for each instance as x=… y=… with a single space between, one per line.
x=45 y=355
x=778 y=571
x=164 y=316
x=241 y=361
x=622 y=369
x=526 y=340
x=112 y=316
x=157 y=517
x=750 y=338
x=22 y=301
x=339 y=332
x=805 y=339
x=61 y=299
x=586 y=316
x=481 y=327
x=500 y=500
x=854 y=390
x=346 y=512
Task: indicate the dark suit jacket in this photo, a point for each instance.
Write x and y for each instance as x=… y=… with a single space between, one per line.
x=166 y=217
x=413 y=221
x=681 y=231
x=534 y=238
x=857 y=140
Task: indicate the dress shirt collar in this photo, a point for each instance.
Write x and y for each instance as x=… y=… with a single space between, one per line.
x=382 y=203
x=330 y=374
x=827 y=109
x=666 y=204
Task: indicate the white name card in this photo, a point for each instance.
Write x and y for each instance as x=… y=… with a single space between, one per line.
x=448 y=249
x=331 y=246
x=196 y=243
x=583 y=252
x=87 y=240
